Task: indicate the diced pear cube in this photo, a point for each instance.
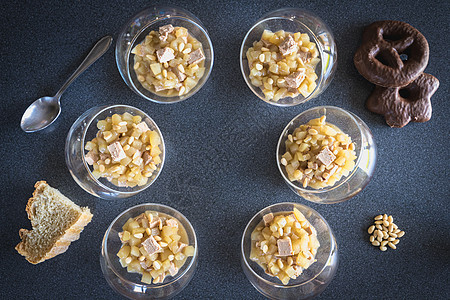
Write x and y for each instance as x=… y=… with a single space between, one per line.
x=146 y=278
x=189 y=251
x=156 y=68
x=124 y=252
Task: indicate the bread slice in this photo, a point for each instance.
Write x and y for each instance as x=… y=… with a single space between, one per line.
x=56 y=222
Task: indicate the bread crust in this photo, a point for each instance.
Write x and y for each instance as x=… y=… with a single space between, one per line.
x=60 y=246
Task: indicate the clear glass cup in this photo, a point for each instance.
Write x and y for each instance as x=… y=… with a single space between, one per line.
x=129 y=284
x=85 y=129
x=138 y=27
x=365 y=149
x=313 y=280
x=294 y=20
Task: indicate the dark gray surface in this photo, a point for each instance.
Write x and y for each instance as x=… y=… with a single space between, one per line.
x=220 y=168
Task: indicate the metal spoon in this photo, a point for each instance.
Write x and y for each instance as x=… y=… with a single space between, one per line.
x=44 y=111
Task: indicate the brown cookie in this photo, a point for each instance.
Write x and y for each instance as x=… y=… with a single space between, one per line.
x=392 y=54
x=402 y=105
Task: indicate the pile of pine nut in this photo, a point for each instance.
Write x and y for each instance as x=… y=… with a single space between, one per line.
x=384 y=232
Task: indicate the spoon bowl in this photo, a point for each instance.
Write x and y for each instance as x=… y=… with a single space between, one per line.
x=40 y=114
x=44 y=111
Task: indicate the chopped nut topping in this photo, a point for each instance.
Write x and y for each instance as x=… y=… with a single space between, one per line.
x=164 y=31
x=164 y=55
x=116 y=151
x=285 y=247
x=151 y=245
x=91 y=157
x=326 y=156
x=196 y=57
x=268 y=218
x=288 y=46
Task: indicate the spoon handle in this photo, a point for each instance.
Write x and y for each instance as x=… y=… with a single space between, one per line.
x=97 y=51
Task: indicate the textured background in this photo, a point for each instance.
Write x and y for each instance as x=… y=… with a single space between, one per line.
x=220 y=168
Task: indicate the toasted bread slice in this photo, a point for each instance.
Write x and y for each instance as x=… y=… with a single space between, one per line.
x=56 y=222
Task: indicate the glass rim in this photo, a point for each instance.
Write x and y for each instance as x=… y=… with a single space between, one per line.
x=83 y=139
x=141 y=284
x=280 y=285
x=126 y=75
x=340 y=182
x=243 y=57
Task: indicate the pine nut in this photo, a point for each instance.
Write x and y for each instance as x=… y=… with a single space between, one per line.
x=380 y=239
x=392 y=234
x=376 y=243
x=391 y=227
x=372 y=238
x=385 y=223
x=390 y=239
x=379 y=222
x=385 y=217
x=290 y=261
x=280 y=263
x=396 y=231
x=384 y=243
x=383 y=248
x=312 y=131
x=390 y=219
x=392 y=245
x=261 y=57
x=395 y=242
x=378 y=226
x=400 y=234
x=379 y=217
x=307 y=171
x=371 y=229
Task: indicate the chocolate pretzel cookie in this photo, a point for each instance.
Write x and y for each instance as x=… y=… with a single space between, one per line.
x=402 y=105
x=392 y=54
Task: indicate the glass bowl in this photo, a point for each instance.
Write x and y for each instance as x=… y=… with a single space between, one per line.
x=85 y=129
x=365 y=149
x=134 y=32
x=313 y=280
x=129 y=284
x=294 y=20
